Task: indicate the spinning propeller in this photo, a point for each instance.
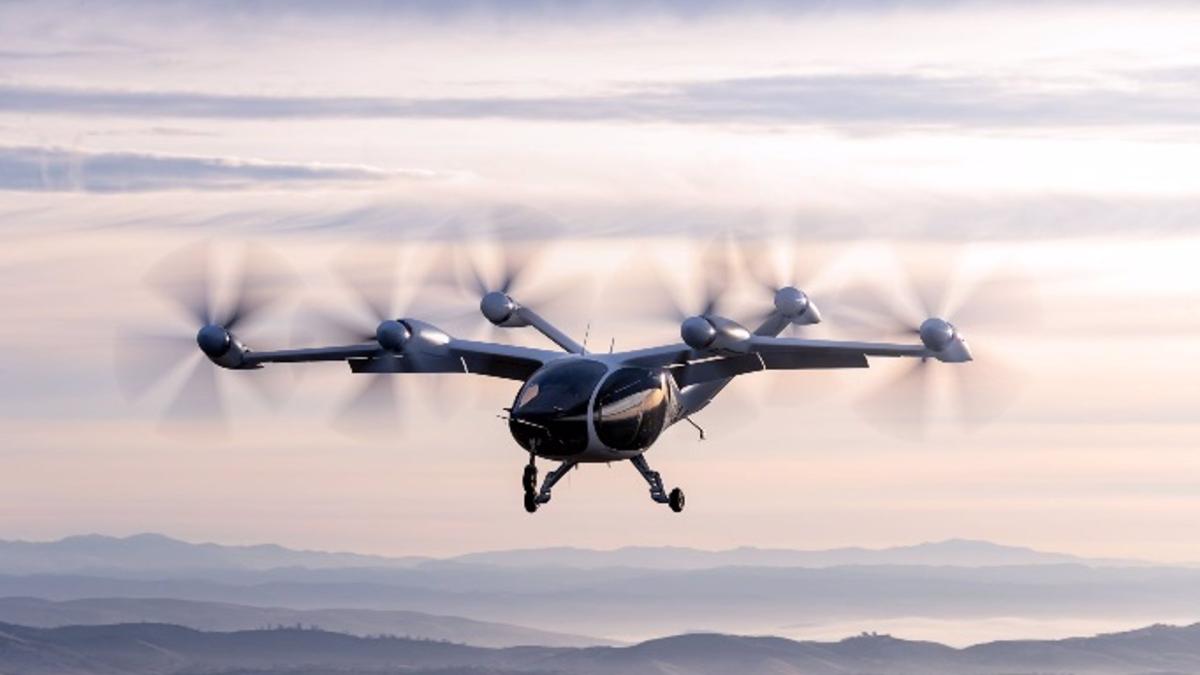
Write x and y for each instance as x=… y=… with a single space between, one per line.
x=380 y=298
x=929 y=306
x=714 y=269
x=486 y=273
x=497 y=275
x=779 y=269
x=214 y=312
x=711 y=269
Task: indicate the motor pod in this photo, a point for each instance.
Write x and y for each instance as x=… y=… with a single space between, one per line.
x=714 y=333
x=392 y=335
x=794 y=305
x=501 y=310
x=221 y=347
x=943 y=339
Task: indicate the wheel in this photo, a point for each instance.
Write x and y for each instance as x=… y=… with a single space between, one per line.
x=529 y=477
x=531 y=504
x=676 y=500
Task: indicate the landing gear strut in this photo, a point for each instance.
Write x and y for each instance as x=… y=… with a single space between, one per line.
x=659 y=494
x=529 y=479
x=529 y=476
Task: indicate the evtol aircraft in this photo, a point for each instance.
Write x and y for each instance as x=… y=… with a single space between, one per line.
x=571 y=406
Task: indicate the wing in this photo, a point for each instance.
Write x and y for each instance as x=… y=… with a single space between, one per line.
x=451 y=356
x=689 y=366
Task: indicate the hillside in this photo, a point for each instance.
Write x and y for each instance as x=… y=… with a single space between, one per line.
x=137 y=649
x=215 y=616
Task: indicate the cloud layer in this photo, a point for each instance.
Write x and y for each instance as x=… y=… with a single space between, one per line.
x=1063 y=134
x=880 y=100
x=56 y=170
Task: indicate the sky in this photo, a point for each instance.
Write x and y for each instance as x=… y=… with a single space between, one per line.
x=1052 y=146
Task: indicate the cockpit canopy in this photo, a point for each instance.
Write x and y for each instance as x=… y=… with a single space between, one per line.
x=550 y=414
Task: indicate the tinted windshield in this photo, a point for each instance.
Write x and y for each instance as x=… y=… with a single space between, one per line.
x=565 y=388
x=550 y=415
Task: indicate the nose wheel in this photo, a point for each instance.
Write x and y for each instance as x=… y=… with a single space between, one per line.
x=529 y=483
x=535 y=497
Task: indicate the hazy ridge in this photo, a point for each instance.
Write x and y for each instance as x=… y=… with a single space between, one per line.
x=225 y=617
x=162 y=649
x=150 y=551
x=563 y=596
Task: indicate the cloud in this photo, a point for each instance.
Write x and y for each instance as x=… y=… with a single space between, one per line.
x=58 y=54
x=547 y=10
x=55 y=169
x=831 y=99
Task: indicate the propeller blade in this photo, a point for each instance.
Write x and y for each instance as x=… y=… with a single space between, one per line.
x=184 y=277
x=902 y=405
x=479 y=285
x=375 y=408
x=659 y=301
x=868 y=308
x=199 y=397
x=144 y=360
x=773 y=263
x=984 y=388
x=929 y=294
x=494 y=266
x=333 y=327
x=516 y=261
x=717 y=265
x=373 y=278
x=998 y=301
x=260 y=279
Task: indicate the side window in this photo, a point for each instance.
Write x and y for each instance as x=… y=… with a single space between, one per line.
x=631 y=408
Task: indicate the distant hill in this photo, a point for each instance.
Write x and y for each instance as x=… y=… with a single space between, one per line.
x=625 y=594
x=629 y=604
x=98 y=553
x=215 y=616
x=137 y=649
x=952 y=552
x=88 y=554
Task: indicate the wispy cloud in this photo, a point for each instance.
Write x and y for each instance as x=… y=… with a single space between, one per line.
x=55 y=169
x=831 y=99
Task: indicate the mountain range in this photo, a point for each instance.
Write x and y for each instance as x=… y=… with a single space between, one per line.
x=565 y=596
x=140 y=552
x=136 y=649
x=952 y=552
x=149 y=552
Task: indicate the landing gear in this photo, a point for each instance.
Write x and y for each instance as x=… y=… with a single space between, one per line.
x=529 y=479
x=529 y=482
x=675 y=500
x=657 y=492
x=529 y=476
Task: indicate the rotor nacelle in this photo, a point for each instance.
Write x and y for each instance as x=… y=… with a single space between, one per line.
x=943 y=339
x=393 y=335
x=794 y=305
x=220 y=346
x=714 y=333
x=501 y=310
